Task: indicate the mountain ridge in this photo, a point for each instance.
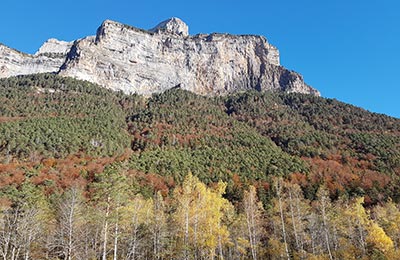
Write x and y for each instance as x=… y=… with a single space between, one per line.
x=134 y=60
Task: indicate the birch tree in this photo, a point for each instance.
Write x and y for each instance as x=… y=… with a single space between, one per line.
x=388 y=217
x=22 y=223
x=253 y=211
x=324 y=205
x=279 y=242
x=158 y=226
x=69 y=217
x=139 y=215
x=111 y=192
x=199 y=218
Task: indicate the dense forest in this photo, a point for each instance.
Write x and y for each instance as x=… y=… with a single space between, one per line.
x=88 y=173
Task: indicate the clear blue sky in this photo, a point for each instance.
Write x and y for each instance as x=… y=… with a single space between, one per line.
x=347 y=49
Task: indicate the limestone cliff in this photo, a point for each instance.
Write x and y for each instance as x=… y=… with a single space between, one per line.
x=13 y=62
x=121 y=57
x=55 y=46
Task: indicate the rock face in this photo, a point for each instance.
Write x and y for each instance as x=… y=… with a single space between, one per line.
x=50 y=57
x=173 y=25
x=55 y=46
x=121 y=57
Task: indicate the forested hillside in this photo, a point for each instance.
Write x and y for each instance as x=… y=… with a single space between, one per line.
x=87 y=173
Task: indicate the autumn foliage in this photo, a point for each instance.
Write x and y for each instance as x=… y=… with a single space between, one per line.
x=87 y=173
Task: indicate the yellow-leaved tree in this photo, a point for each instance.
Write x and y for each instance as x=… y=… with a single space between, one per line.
x=388 y=217
x=137 y=215
x=365 y=238
x=200 y=211
x=378 y=239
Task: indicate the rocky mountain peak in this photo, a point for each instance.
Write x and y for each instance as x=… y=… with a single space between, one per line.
x=123 y=57
x=172 y=25
x=54 y=46
x=49 y=58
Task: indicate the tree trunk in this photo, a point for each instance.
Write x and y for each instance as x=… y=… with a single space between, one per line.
x=278 y=189
x=28 y=248
x=186 y=243
x=251 y=211
x=195 y=227
x=299 y=219
x=135 y=227
x=296 y=237
x=220 y=251
x=116 y=233
x=106 y=230
x=325 y=225
x=71 y=225
x=362 y=237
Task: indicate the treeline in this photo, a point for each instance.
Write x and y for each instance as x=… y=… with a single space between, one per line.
x=109 y=219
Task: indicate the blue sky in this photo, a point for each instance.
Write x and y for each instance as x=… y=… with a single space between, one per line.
x=347 y=49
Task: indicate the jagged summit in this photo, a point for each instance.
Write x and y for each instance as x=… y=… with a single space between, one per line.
x=122 y=57
x=172 y=25
x=54 y=46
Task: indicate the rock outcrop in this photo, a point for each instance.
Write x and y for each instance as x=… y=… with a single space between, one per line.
x=50 y=57
x=173 y=25
x=121 y=57
x=55 y=46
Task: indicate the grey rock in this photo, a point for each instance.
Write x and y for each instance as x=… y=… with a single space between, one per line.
x=55 y=46
x=173 y=25
x=13 y=62
x=122 y=57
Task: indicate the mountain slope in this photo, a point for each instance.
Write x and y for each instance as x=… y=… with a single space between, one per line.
x=118 y=174
x=53 y=116
x=352 y=150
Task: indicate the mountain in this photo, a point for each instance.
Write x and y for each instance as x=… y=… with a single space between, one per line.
x=121 y=57
x=201 y=165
